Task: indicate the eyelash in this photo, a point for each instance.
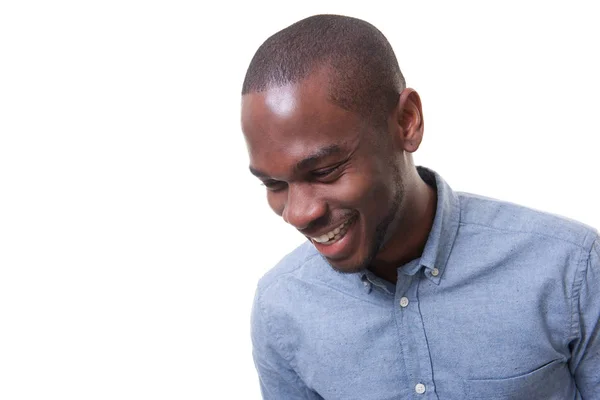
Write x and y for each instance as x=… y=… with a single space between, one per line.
x=269 y=185
x=324 y=173
x=317 y=174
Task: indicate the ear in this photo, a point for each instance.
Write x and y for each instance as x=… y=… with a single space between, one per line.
x=409 y=117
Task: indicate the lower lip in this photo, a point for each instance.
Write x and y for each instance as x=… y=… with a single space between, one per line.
x=335 y=250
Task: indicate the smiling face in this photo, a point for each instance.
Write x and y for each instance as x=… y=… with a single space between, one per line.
x=328 y=172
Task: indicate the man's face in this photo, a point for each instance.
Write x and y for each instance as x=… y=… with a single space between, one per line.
x=327 y=172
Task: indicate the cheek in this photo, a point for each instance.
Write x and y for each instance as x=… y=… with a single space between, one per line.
x=366 y=192
x=346 y=192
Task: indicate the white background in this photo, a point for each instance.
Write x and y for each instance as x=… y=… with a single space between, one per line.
x=131 y=233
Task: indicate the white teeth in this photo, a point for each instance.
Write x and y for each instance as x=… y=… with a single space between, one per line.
x=334 y=234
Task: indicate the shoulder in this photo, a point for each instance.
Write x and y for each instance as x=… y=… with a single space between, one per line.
x=507 y=217
x=281 y=293
x=290 y=267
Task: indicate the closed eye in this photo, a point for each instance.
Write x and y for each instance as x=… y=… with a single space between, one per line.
x=322 y=173
x=273 y=185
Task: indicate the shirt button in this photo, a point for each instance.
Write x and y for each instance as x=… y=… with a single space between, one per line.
x=403 y=302
x=435 y=272
x=420 y=388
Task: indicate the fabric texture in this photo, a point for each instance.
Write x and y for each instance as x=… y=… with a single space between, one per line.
x=504 y=303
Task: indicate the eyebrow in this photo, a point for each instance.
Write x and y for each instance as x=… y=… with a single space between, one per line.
x=308 y=161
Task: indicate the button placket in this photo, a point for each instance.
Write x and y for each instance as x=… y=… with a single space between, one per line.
x=411 y=331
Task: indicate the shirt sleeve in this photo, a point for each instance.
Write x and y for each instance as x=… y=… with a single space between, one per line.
x=585 y=360
x=277 y=378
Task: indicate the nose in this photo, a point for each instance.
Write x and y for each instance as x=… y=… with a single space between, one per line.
x=302 y=206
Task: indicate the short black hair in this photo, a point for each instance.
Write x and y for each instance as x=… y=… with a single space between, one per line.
x=364 y=75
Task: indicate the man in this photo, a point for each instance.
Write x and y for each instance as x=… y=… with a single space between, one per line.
x=405 y=288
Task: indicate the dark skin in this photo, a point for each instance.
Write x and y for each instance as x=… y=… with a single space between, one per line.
x=323 y=165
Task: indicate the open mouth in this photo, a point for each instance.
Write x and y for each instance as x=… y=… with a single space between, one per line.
x=335 y=234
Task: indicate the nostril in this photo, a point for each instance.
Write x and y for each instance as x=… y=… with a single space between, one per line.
x=302 y=208
x=303 y=218
x=297 y=221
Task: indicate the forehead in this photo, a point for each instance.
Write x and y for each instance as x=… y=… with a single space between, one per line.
x=283 y=124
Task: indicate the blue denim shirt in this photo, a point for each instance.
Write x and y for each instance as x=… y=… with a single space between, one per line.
x=504 y=303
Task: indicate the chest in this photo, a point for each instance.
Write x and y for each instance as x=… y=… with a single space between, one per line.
x=439 y=341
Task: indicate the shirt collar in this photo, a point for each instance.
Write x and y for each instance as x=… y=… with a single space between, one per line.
x=441 y=237
x=445 y=226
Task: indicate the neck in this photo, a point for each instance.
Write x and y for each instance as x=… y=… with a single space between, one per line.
x=411 y=230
